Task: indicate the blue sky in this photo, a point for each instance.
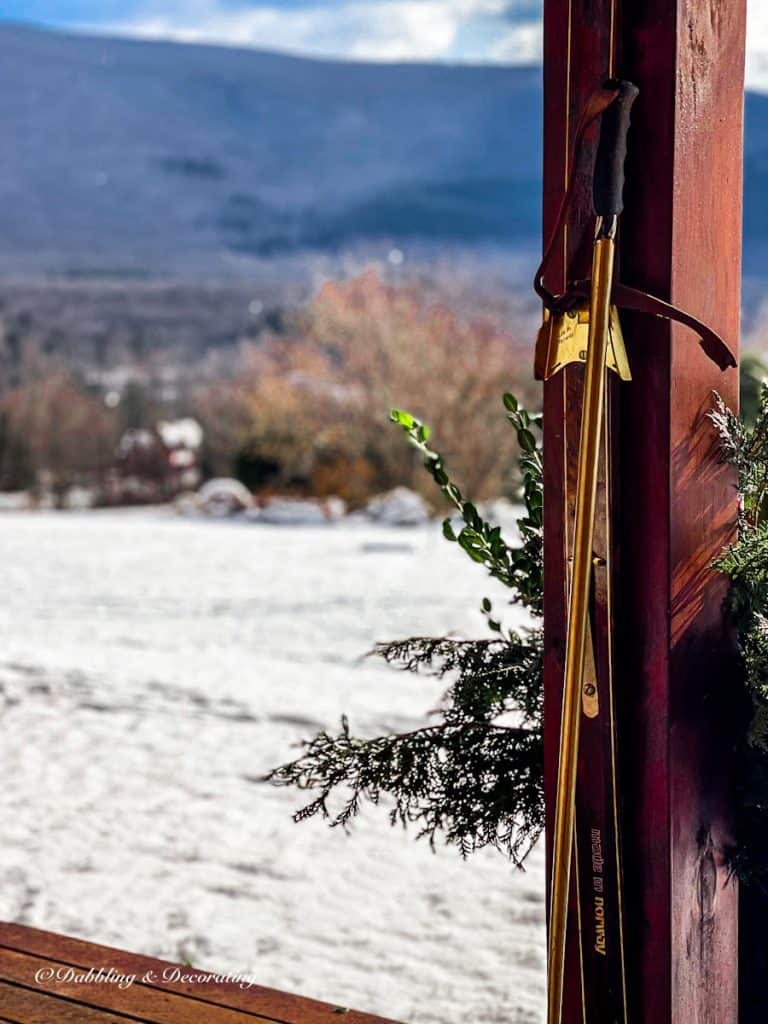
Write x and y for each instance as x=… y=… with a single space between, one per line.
x=507 y=31
x=475 y=30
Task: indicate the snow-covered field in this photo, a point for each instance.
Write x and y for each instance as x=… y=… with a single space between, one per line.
x=152 y=669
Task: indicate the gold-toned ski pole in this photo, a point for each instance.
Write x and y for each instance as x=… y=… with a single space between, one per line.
x=608 y=187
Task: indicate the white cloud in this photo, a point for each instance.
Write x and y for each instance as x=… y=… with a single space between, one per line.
x=384 y=30
x=757 y=45
x=521 y=44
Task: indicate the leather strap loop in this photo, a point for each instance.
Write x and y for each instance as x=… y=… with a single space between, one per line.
x=623 y=296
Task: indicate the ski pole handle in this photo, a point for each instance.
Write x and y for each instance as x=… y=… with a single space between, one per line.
x=612 y=151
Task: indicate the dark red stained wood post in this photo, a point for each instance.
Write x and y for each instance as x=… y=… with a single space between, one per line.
x=674 y=505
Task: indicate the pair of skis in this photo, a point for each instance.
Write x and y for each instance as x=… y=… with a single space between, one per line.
x=586 y=822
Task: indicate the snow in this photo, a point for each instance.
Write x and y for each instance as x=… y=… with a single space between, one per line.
x=153 y=668
x=185 y=432
x=399 y=507
x=295 y=512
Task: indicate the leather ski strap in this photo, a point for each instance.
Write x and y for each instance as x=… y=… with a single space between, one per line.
x=623 y=295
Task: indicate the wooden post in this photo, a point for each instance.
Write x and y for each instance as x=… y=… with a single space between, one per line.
x=673 y=505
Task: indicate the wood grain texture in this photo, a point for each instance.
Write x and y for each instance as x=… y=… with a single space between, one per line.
x=23 y=950
x=683 y=239
x=680 y=238
x=26 y=1006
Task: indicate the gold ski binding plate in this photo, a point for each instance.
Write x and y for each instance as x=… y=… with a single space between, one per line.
x=563 y=339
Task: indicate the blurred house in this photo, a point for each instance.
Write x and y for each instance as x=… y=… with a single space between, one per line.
x=158 y=464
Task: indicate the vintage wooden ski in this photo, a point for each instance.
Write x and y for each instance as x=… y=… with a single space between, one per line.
x=597 y=854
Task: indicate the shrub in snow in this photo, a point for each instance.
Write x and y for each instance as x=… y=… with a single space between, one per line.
x=306 y=402
x=223 y=497
x=400 y=507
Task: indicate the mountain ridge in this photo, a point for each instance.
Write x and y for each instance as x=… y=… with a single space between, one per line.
x=135 y=157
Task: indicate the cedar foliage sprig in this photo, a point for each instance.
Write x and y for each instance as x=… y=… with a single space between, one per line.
x=474 y=777
x=745 y=446
x=745 y=561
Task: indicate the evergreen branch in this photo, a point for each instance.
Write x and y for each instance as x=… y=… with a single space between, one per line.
x=475 y=783
x=471 y=778
x=745 y=562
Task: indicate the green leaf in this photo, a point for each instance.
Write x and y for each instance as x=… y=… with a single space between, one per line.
x=526 y=440
x=469 y=512
x=448 y=530
x=471 y=543
x=475 y=555
x=510 y=402
x=403 y=418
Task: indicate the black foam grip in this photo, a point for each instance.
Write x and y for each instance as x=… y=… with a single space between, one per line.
x=612 y=151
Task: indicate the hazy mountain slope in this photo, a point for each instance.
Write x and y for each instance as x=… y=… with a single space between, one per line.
x=133 y=157
x=151 y=156
x=756 y=186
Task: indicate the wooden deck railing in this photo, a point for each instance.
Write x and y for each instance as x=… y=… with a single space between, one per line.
x=53 y=979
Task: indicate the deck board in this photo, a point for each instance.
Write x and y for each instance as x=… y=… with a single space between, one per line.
x=27 y=1006
x=153 y=998
x=149 y=1002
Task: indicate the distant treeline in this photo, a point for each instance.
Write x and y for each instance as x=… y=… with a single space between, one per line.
x=301 y=409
